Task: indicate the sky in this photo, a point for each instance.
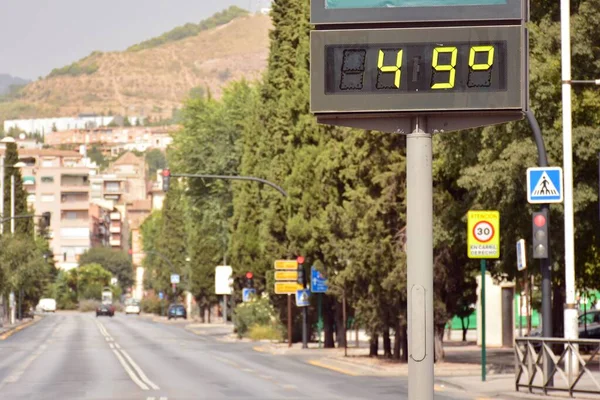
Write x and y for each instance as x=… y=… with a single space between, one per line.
x=39 y=35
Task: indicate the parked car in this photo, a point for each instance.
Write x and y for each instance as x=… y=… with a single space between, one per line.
x=589 y=328
x=105 y=309
x=132 y=307
x=47 y=305
x=177 y=311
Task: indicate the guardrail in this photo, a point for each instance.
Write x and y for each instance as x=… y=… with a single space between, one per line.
x=543 y=364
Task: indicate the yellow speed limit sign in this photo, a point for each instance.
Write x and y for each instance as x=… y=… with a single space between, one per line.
x=483 y=234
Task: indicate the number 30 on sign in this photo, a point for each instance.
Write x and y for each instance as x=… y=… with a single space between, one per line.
x=483 y=234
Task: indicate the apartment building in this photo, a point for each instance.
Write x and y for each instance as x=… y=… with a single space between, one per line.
x=58 y=181
x=116 y=139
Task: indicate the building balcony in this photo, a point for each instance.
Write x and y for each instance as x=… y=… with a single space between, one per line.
x=75 y=188
x=115 y=242
x=115 y=229
x=75 y=205
x=74 y=223
x=115 y=216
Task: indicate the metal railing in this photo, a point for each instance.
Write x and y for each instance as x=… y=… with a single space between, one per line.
x=543 y=364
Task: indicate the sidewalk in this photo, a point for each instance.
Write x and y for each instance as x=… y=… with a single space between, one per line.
x=8 y=330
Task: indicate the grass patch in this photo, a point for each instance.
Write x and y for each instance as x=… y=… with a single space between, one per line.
x=265 y=332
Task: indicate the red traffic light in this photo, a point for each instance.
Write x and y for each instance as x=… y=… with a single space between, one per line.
x=300 y=260
x=249 y=275
x=166 y=172
x=539 y=220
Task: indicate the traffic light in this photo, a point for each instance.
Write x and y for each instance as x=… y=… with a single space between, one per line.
x=249 y=280
x=540 y=234
x=166 y=179
x=301 y=277
x=46 y=217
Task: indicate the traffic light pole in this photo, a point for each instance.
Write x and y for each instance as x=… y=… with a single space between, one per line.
x=234 y=178
x=545 y=263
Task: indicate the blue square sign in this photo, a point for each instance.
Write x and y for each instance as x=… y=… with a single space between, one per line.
x=544 y=185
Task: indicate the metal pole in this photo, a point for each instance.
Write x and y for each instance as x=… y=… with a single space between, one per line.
x=225 y=309
x=521 y=291
x=420 y=261
x=320 y=311
x=289 y=320
x=345 y=324
x=304 y=313
x=2 y=193
x=12 y=203
x=570 y=312
x=483 y=349
x=12 y=231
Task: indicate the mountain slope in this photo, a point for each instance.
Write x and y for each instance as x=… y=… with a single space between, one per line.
x=6 y=81
x=149 y=81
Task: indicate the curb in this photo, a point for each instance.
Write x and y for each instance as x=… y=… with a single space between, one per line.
x=16 y=329
x=317 y=363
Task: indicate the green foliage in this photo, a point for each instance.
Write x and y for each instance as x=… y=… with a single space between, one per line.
x=89 y=281
x=116 y=262
x=25 y=225
x=95 y=154
x=189 y=29
x=88 y=305
x=153 y=305
x=78 y=68
x=155 y=159
x=258 y=312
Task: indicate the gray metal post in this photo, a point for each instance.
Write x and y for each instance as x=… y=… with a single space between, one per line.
x=420 y=262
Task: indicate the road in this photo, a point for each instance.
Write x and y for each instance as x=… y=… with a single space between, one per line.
x=79 y=356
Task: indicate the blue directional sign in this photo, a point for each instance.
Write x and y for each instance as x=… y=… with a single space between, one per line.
x=303 y=298
x=544 y=185
x=161 y=295
x=247 y=294
x=318 y=283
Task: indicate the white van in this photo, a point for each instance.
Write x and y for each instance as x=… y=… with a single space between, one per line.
x=47 y=305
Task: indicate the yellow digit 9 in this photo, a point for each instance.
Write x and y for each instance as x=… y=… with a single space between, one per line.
x=481 y=49
x=445 y=67
x=396 y=69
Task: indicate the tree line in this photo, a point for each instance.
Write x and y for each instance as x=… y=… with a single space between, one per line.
x=346 y=210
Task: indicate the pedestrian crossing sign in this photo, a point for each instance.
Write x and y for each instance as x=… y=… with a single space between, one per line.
x=544 y=185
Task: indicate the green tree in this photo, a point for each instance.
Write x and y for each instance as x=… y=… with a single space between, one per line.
x=90 y=279
x=155 y=159
x=126 y=122
x=11 y=158
x=116 y=262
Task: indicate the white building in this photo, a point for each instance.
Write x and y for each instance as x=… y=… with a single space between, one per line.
x=45 y=126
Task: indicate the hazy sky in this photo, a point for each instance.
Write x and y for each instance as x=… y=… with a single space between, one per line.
x=39 y=35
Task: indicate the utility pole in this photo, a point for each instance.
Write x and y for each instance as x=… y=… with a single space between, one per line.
x=570 y=311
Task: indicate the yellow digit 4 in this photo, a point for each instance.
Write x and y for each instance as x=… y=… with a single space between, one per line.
x=396 y=69
x=445 y=67
x=481 y=49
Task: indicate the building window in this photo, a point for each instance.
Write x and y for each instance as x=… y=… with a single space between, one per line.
x=47 y=179
x=47 y=198
x=71 y=215
x=112 y=186
x=75 y=233
x=31 y=198
x=47 y=163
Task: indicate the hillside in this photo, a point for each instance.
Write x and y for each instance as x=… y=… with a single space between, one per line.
x=152 y=80
x=6 y=81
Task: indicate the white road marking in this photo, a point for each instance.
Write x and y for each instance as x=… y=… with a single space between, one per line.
x=131 y=374
x=123 y=358
x=137 y=369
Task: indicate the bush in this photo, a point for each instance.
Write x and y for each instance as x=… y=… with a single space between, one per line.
x=153 y=305
x=256 y=312
x=266 y=332
x=88 y=305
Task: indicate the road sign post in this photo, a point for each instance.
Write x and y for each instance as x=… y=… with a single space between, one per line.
x=318 y=284
x=286 y=282
x=483 y=241
x=433 y=69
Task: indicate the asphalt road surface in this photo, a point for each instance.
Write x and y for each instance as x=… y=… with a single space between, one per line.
x=79 y=356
